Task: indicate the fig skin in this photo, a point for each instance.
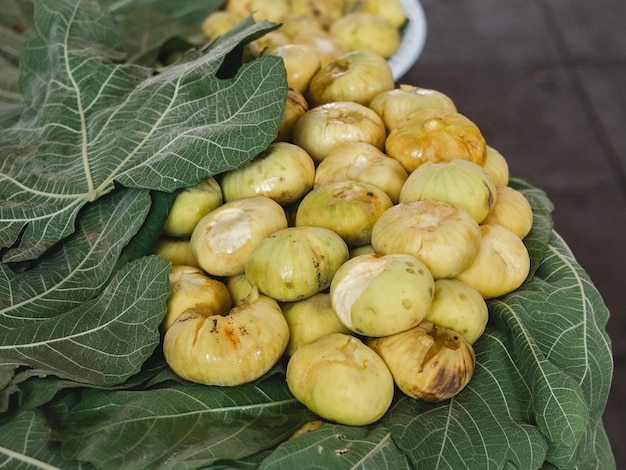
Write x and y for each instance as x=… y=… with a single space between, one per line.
x=224 y=238
x=360 y=161
x=435 y=135
x=227 y=350
x=324 y=127
x=357 y=76
x=502 y=263
x=511 y=210
x=190 y=205
x=496 y=167
x=367 y=31
x=459 y=307
x=310 y=319
x=443 y=236
x=176 y=250
x=375 y=295
x=393 y=106
x=190 y=287
x=349 y=208
x=459 y=182
x=283 y=172
x=427 y=362
x=341 y=380
x=295 y=263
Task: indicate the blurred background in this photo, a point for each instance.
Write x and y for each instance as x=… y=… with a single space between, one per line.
x=544 y=81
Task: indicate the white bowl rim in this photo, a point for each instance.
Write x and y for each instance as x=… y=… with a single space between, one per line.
x=413 y=39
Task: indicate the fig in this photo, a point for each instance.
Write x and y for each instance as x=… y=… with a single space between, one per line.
x=322 y=128
x=459 y=182
x=501 y=265
x=360 y=161
x=367 y=31
x=225 y=237
x=496 y=166
x=391 y=10
x=176 y=250
x=356 y=76
x=190 y=205
x=393 y=106
x=427 y=362
x=327 y=48
x=459 y=307
x=379 y=295
x=218 y=23
x=301 y=63
x=296 y=262
x=283 y=172
x=295 y=106
x=309 y=319
x=512 y=210
x=227 y=350
x=341 y=380
x=435 y=135
x=349 y=208
x=190 y=287
x=443 y=236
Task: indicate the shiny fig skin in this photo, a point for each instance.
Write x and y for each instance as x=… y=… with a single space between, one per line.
x=341 y=380
x=427 y=362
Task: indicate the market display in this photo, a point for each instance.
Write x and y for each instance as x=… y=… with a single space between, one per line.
x=263 y=251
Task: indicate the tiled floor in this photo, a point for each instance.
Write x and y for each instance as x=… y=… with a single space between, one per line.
x=544 y=80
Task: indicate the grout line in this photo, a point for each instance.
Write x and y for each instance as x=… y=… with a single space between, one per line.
x=572 y=67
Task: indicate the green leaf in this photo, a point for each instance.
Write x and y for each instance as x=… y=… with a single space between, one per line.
x=91 y=122
x=103 y=341
x=181 y=426
x=340 y=447
x=145 y=25
x=25 y=444
x=78 y=270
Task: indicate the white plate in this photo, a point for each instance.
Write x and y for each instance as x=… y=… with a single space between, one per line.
x=413 y=39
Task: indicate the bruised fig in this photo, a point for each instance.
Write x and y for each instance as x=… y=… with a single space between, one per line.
x=341 y=380
x=227 y=350
x=427 y=362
